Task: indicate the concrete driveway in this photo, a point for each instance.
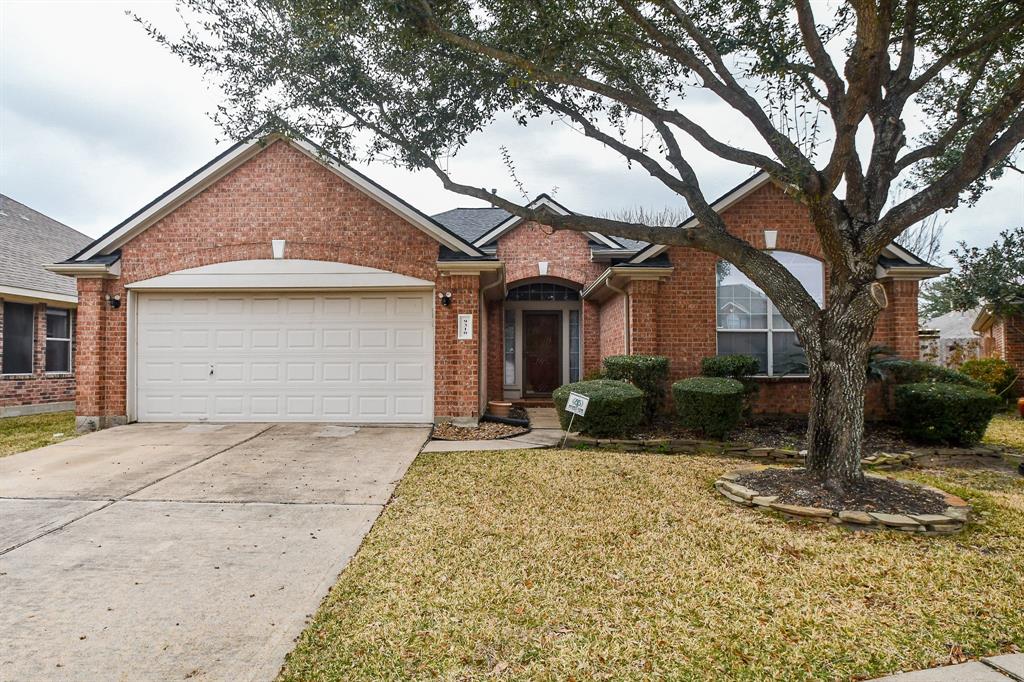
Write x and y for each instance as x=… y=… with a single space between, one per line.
x=172 y=551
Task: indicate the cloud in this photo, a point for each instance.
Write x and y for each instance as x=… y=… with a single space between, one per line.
x=96 y=120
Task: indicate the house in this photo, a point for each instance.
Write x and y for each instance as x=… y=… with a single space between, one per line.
x=36 y=312
x=1002 y=336
x=277 y=283
x=948 y=339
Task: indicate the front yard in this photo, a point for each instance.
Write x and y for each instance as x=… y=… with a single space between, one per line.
x=18 y=434
x=589 y=565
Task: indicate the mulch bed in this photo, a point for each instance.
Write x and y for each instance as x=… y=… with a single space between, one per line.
x=485 y=431
x=781 y=432
x=794 y=486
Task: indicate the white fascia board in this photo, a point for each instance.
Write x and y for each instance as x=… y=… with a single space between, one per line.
x=101 y=270
x=167 y=204
x=243 y=153
x=910 y=272
x=306 y=275
x=514 y=220
x=722 y=204
x=896 y=250
x=35 y=295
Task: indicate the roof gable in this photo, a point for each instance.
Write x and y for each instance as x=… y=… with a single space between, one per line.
x=544 y=200
x=237 y=155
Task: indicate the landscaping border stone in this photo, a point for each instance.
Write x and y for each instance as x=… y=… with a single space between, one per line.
x=877 y=460
x=952 y=520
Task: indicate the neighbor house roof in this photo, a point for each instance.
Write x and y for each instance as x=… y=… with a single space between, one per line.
x=28 y=241
x=232 y=158
x=953 y=325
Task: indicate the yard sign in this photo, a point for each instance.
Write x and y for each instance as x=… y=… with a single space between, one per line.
x=576 y=405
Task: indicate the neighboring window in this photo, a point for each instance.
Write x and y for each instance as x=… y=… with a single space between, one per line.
x=748 y=323
x=574 y=345
x=58 y=340
x=543 y=291
x=19 y=320
x=510 y=347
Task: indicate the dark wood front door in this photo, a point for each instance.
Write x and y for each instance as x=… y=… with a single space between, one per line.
x=542 y=351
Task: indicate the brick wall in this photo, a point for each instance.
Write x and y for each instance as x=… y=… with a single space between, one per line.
x=612 y=326
x=1005 y=340
x=38 y=387
x=686 y=310
x=278 y=194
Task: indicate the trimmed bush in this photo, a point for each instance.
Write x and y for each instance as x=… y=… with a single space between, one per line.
x=920 y=372
x=944 y=413
x=615 y=408
x=711 y=405
x=730 y=366
x=997 y=375
x=649 y=373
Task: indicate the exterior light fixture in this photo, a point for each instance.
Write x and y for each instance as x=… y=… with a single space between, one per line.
x=446 y=298
x=114 y=301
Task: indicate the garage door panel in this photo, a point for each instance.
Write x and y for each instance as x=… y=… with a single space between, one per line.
x=343 y=357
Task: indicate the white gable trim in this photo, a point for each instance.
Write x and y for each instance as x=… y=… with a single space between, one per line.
x=720 y=204
x=513 y=221
x=235 y=158
x=296 y=274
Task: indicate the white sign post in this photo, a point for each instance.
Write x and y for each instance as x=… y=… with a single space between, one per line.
x=576 y=405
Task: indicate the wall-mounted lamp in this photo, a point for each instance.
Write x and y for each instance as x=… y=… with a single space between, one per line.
x=446 y=298
x=114 y=301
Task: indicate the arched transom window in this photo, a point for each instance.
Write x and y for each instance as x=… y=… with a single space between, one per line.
x=749 y=324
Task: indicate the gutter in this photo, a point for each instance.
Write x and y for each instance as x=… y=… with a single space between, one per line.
x=86 y=269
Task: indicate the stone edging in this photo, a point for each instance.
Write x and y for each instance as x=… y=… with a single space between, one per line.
x=952 y=520
x=882 y=460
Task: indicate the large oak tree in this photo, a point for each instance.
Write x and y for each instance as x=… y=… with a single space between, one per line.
x=827 y=90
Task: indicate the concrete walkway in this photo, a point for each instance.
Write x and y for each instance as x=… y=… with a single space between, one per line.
x=545 y=433
x=173 y=552
x=992 y=669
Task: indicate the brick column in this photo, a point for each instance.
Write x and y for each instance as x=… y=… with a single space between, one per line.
x=590 y=335
x=457 y=363
x=89 y=354
x=897 y=324
x=643 y=317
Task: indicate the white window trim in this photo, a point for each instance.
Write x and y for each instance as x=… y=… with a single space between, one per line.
x=70 y=339
x=32 y=344
x=769 y=330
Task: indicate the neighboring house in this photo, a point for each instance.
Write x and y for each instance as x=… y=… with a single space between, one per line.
x=36 y=312
x=1002 y=336
x=948 y=340
x=276 y=283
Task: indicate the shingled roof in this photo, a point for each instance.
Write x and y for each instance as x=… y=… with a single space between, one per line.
x=31 y=240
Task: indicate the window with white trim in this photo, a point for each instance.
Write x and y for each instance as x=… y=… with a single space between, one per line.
x=510 y=347
x=749 y=324
x=58 y=340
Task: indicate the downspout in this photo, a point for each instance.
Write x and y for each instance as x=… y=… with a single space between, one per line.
x=625 y=309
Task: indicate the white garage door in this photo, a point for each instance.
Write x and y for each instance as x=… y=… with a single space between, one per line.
x=345 y=357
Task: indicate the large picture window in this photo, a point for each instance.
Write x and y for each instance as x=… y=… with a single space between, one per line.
x=749 y=324
x=19 y=320
x=58 y=340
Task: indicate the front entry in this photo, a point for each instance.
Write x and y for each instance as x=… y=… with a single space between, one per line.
x=542 y=352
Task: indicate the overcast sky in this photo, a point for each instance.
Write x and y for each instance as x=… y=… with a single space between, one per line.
x=96 y=120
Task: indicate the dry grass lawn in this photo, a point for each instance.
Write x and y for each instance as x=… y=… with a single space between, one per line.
x=18 y=434
x=590 y=565
x=1006 y=428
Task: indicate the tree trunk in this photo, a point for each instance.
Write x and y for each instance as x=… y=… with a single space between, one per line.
x=838 y=368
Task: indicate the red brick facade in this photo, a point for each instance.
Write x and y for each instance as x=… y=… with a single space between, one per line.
x=1004 y=339
x=38 y=387
x=283 y=194
x=278 y=194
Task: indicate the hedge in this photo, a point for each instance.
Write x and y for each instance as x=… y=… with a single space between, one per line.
x=711 y=405
x=649 y=373
x=730 y=366
x=615 y=408
x=918 y=371
x=997 y=375
x=944 y=413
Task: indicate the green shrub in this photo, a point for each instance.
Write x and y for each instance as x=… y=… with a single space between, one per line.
x=711 y=405
x=920 y=372
x=997 y=375
x=944 y=413
x=730 y=366
x=649 y=373
x=739 y=367
x=615 y=407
